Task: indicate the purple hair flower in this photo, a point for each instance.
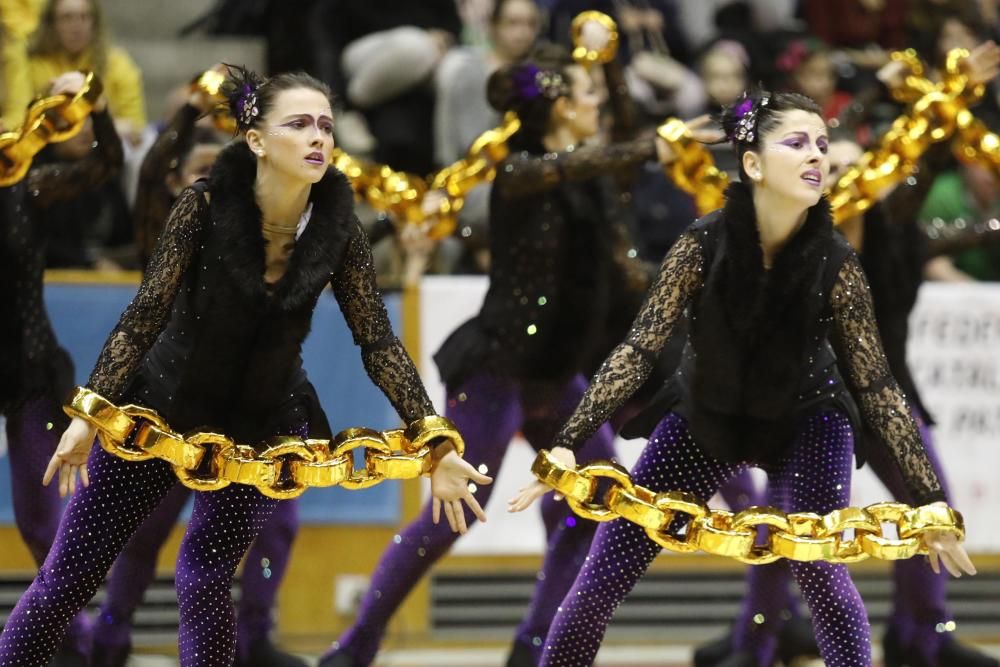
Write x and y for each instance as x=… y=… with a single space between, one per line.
x=526 y=81
x=744 y=107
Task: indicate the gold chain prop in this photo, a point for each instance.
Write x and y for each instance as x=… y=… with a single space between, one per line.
x=206 y=461
x=209 y=83
x=801 y=536
x=938 y=111
x=693 y=169
x=49 y=119
x=933 y=118
x=977 y=143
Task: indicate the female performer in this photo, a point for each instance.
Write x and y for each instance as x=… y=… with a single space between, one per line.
x=213 y=337
x=517 y=365
x=40 y=372
x=767 y=283
x=183 y=154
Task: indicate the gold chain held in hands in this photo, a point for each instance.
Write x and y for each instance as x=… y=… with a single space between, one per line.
x=48 y=120
x=802 y=536
x=206 y=461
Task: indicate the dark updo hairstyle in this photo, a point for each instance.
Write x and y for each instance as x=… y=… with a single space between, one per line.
x=513 y=88
x=764 y=116
x=250 y=96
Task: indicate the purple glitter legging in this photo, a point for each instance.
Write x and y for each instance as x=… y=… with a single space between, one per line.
x=814 y=475
x=31 y=442
x=488 y=411
x=265 y=565
x=919 y=595
x=99 y=520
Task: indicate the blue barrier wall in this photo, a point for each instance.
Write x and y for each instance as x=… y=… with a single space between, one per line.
x=83 y=315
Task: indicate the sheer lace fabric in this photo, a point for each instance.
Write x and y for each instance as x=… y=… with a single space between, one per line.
x=386 y=361
x=882 y=402
x=526 y=173
x=629 y=364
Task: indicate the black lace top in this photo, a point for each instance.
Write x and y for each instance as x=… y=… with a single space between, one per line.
x=178 y=262
x=681 y=277
x=38 y=364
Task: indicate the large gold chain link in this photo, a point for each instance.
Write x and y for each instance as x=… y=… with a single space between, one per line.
x=938 y=111
x=846 y=535
x=49 y=119
x=284 y=468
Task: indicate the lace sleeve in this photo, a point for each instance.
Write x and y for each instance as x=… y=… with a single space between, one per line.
x=631 y=362
x=882 y=401
x=387 y=363
x=61 y=181
x=527 y=173
x=147 y=315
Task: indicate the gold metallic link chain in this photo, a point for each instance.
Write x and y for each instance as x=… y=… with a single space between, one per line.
x=848 y=535
x=284 y=468
x=938 y=111
x=48 y=120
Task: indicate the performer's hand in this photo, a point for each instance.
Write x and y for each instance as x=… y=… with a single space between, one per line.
x=983 y=63
x=450 y=486
x=71 y=83
x=526 y=497
x=71 y=456
x=702 y=129
x=944 y=548
x=594 y=35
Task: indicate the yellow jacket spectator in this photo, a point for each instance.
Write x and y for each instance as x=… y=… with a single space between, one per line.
x=15 y=88
x=72 y=35
x=20 y=17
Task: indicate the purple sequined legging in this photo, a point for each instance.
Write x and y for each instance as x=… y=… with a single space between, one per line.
x=919 y=595
x=32 y=437
x=135 y=569
x=488 y=411
x=815 y=475
x=99 y=520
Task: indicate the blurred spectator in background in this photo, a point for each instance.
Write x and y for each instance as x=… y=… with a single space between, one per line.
x=653 y=49
x=704 y=21
x=15 y=86
x=380 y=57
x=962 y=197
x=463 y=113
x=805 y=65
x=723 y=66
x=72 y=35
x=866 y=29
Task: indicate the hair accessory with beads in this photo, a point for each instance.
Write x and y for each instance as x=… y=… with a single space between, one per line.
x=530 y=82
x=248 y=109
x=747 y=111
